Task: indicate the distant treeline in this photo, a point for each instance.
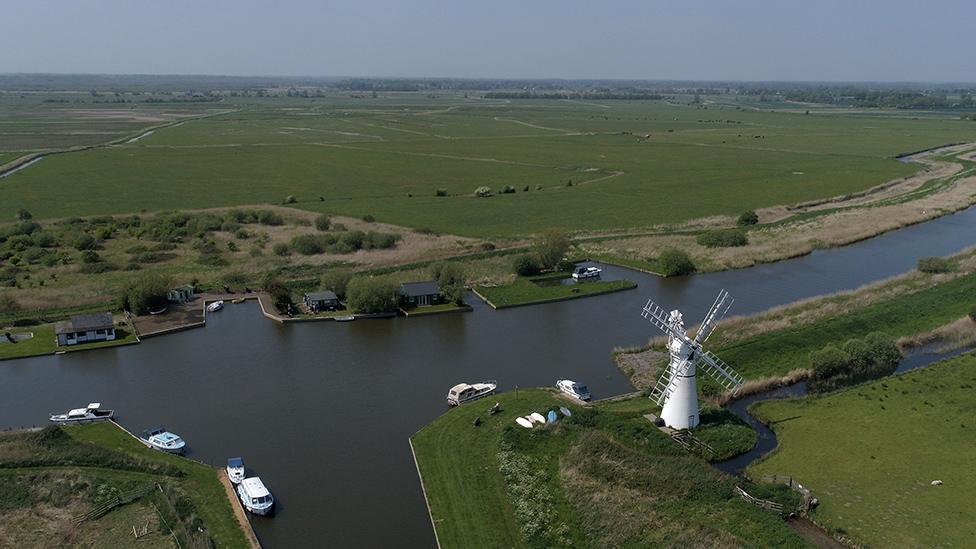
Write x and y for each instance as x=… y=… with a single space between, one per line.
x=574 y=95
x=882 y=98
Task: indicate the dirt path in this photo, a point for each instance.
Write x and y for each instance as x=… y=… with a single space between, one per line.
x=252 y=538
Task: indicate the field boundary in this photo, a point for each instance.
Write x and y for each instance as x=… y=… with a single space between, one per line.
x=552 y=299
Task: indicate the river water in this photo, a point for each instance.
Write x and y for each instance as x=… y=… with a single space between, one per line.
x=322 y=411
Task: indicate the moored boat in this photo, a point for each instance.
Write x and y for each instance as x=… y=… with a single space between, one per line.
x=582 y=273
x=215 y=306
x=464 y=392
x=255 y=496
x=235 y=469
x=345 y=318
x=573 y=389
x=83 y=415
x=161 y=439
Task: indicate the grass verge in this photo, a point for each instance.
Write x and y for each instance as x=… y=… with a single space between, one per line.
x=525 y=292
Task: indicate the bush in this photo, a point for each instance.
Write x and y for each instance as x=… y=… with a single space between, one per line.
x=723 y=239
x=146 y=293
x=337 y=282
x=483 y=192
x=281 y=249
x=368 y=218
x=280 y=294
x=44 y=240
x=23 y=215
x=857 y=360
x=322 y=222
x=550 y=248
x=306 y=244
x=747 y=218
x=440 y=192
x=371 y=295
x=525 y=265
x=90 y=256
x=508 y=189
x=934 y=265
x=290 y=199
x=85 y=241
x=450 y=279
x=674 y=262
x=95 y=268
x=230 y=226
x=828 y=362
x=268 y=217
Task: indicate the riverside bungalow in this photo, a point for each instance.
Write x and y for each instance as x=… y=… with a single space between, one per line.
x=180 y=294
x=322 y=301
x=418 y=294
x=85 y=328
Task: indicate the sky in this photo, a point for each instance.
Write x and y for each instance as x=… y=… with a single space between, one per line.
x=745 y=40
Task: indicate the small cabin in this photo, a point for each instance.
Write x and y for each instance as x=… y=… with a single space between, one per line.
x=419 y=294
x=180 y=294
x=322 y=301
x=85 y=328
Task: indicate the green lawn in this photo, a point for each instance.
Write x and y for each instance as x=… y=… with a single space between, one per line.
x=869 y=453
x=45 y=343
x=387 y=156
x=571 y=482
x=524 y=292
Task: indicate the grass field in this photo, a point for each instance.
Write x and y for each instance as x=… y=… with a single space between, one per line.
x=869 y=453
x=522 y=291
x=569 y=484
x=50 y=476
x=387 y=156
x=44 y=342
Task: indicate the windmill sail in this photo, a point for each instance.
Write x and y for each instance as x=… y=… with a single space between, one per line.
x=719 y=370
x=721 y=306
x=660 y=318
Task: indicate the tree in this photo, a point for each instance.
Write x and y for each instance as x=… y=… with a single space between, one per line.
x=337 y=282
x=882 y=349
x=85 y=241
x=146 y=293
x=322 y=222
x=280 y=294
x=828 y=362
x=371 y=295
x=674 y=262
x=525 y=265
x=450 y=279
x=748 y=218
x=24 y=215
x=550 y=247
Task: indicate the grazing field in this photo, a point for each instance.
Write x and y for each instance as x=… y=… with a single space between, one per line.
x=569 y=484
x=870 y=453
x=523 y=291
x=586 y=166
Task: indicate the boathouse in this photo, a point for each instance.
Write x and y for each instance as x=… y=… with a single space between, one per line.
x=85 y=328
x=180 y=294
x=418 y=294
x=322 y=301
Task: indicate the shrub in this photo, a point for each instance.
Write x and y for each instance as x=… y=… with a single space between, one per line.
x=268 y=217
x=550 y=247
x=90 y=256
x=231 y=245
x=242 y=234
x=337 y=282
x=280 y=294
x=371 y=295
x=483 y=192
x=84 y=241
x=508 y=189
x=281 y=249
x=290 y=199
x=306 y=244
x=146 y=293
x=747 y=218
x=828 y=362
x=934 y=265
x=23 y=215
x=674 y=262
x=723 y=239
x=440 y=192
x=368 y=218
x=525 y=265
x=230 y=226
x=322 y=222
x=44 y=240
x=450 y=278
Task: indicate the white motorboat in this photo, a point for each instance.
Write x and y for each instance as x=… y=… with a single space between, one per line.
x=464 y=392
x=573 y=389
x=161 y=439
x=235 y=469
x=83 y=415
x=215 y=306
x=582 y=273
x=255 y=497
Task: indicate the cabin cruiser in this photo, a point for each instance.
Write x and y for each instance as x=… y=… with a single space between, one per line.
x=83 y=415
x=255 y=496
x=235 y=469
x=215 y=306
x=573 y=389
x=161 y=439
x=582 y=273
x=463 y=392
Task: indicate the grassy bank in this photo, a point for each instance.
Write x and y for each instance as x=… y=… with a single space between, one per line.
x=44 y=341
x=523 y=291
x=498 y=485
x=870 y=452
x=50 y=476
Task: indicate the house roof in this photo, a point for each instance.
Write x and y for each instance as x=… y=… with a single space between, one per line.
x=85 y=323
x=324 y=295
x=414 y=289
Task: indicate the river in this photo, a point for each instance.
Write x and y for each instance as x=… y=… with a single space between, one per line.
x=322 y=411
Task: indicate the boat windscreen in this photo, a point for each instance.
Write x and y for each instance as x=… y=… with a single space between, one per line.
x=582 y=389
x=235 y=462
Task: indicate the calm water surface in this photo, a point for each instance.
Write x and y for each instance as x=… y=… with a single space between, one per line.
x=322 y=411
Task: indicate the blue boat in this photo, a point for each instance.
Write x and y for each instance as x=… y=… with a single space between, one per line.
x=552 y=416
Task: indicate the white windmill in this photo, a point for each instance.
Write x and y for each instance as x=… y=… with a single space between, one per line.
x=675 y=390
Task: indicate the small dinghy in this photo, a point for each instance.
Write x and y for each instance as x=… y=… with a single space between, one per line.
x=161 y=439
x=551 y=416
x=215 y=306
x=524 y=422
x=83 y=415
x=565 y=411
x=536 y=417
x=235 y=470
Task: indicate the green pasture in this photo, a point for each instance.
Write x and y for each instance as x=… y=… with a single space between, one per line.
x=523 y=291
x=870 y=453
x=631 y=163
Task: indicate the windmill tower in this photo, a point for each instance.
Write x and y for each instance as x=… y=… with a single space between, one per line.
x=676 y=389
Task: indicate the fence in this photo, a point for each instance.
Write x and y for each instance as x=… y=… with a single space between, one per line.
x=117 y=501
x=764 y=503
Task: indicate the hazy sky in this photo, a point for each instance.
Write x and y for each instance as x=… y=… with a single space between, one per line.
x=674 y=39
